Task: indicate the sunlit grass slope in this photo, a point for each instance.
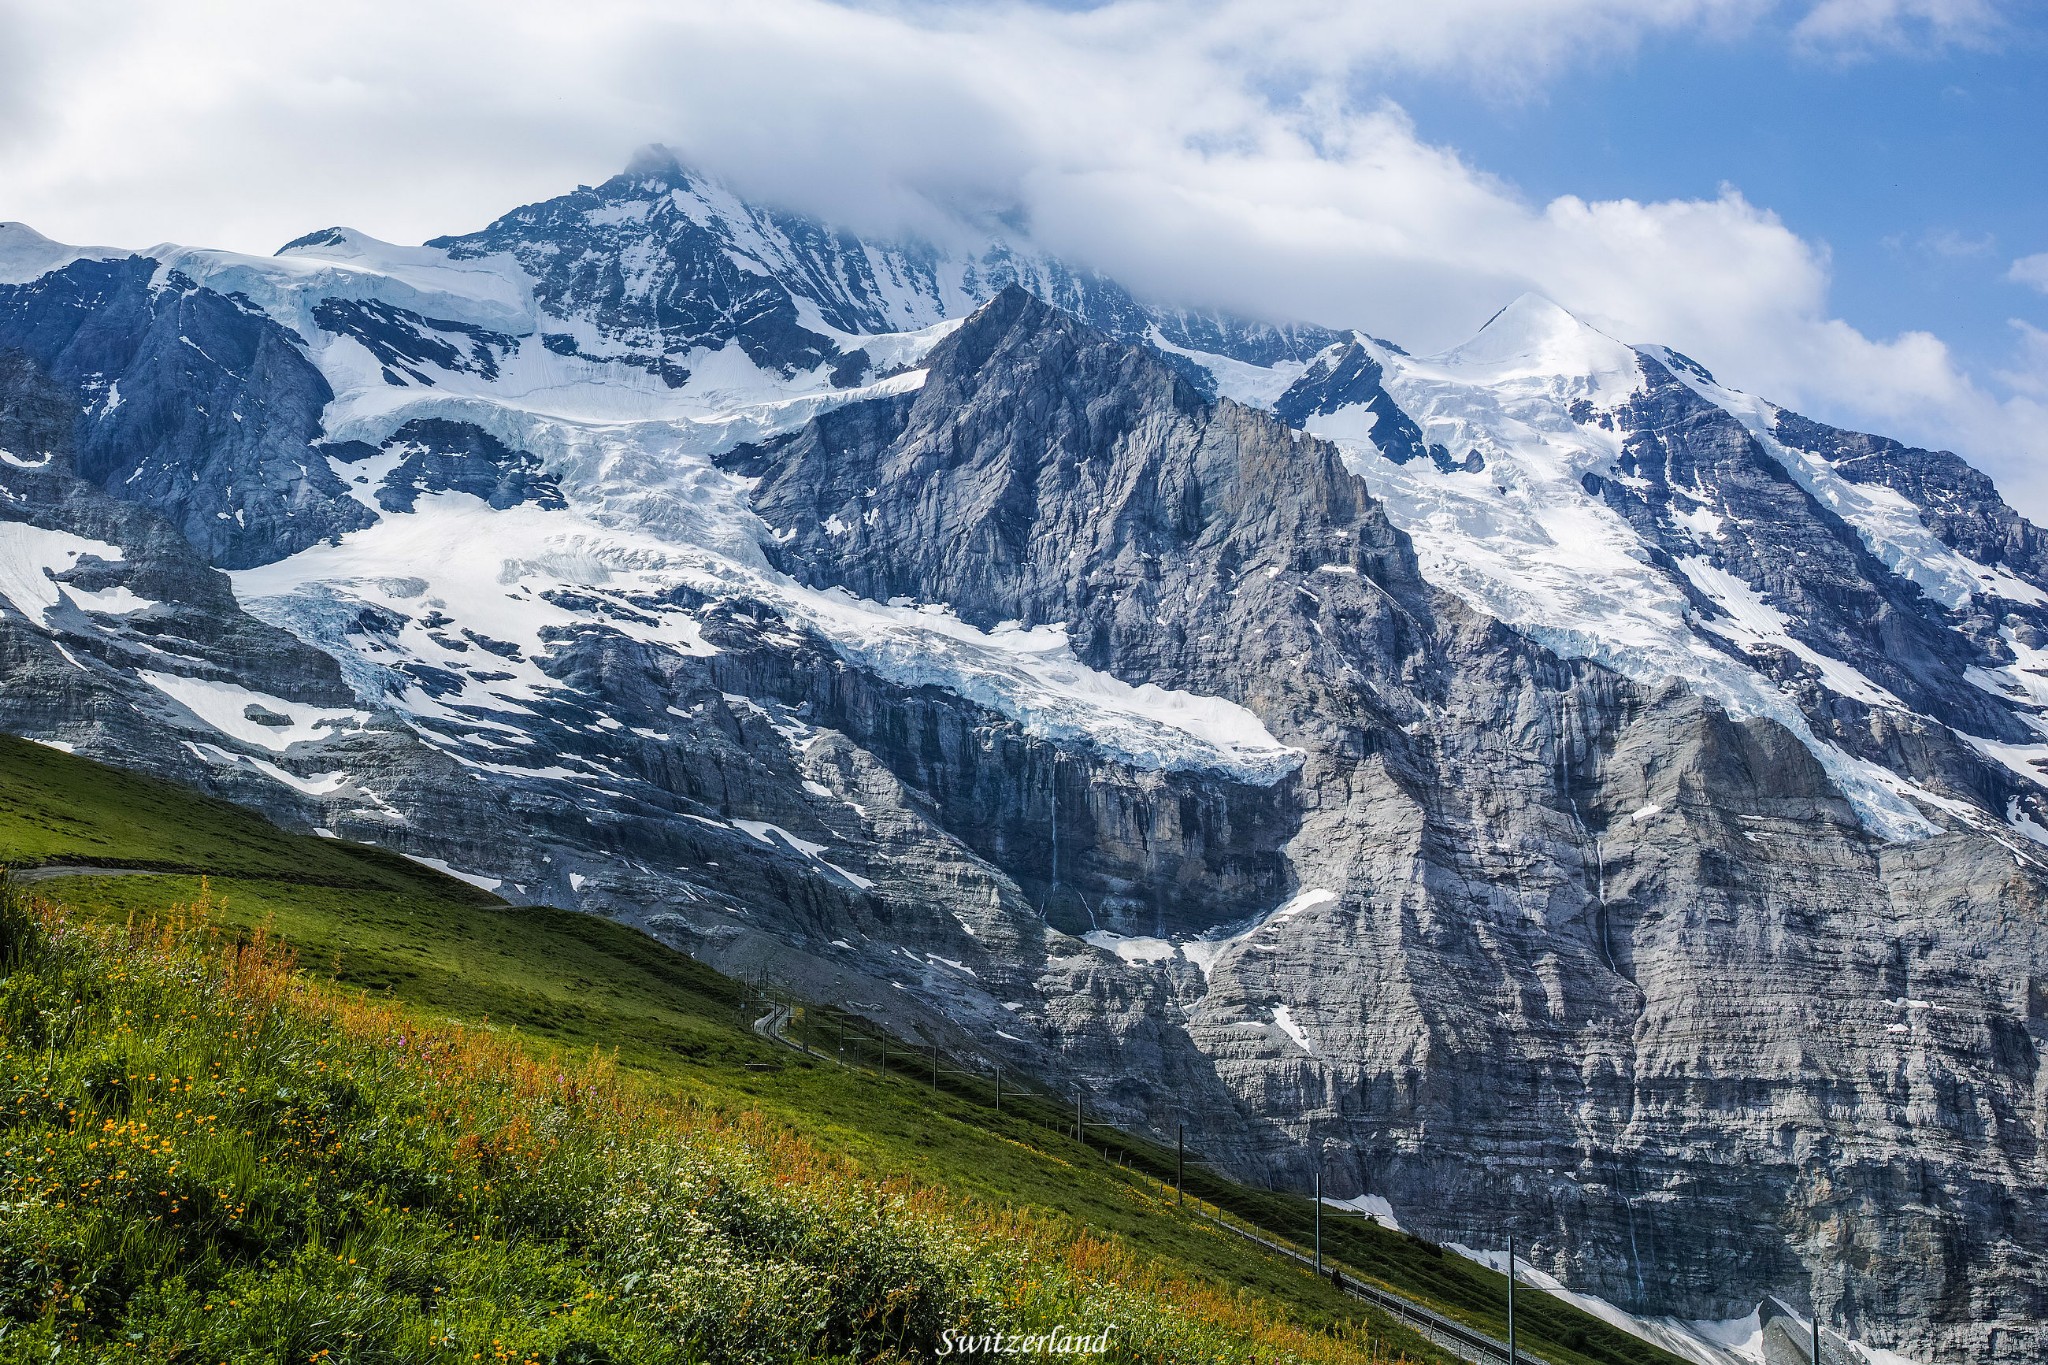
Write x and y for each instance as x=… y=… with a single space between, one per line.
x=210 y=1156
x=505 y=1132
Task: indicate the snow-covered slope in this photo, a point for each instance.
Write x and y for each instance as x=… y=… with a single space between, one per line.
x=626 y=334
x=406 y=335
x=26 y=254
x=1544 y=481
x=596 y=332
x=518 y=567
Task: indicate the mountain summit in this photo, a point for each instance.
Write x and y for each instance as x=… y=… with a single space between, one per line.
x=1534 y=336
x=1530 y=783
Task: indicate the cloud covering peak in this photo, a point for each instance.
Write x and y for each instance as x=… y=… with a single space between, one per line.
x=1221 y=152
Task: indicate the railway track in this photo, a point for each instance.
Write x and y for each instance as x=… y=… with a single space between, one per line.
x=1470 y=1345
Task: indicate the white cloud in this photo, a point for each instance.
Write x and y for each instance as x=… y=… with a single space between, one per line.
x=2031 y=270
x=1856 y=26
x=1949 y=244
x=1213 y=150
x=2029 y=372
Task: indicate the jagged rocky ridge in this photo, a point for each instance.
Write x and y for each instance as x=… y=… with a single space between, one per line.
x=1643 y=852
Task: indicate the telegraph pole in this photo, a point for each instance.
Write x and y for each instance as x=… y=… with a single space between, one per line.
x=1512 y=1358
x=1180 y=1162
x=1319 y=1219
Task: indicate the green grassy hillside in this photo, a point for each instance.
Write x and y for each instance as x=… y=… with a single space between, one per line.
x=55 y=808
x=436 y=954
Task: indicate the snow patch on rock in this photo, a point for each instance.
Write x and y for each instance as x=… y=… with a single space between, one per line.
x=250 y=716
x=440 y=865
x=1135 y=949
x=32 y=558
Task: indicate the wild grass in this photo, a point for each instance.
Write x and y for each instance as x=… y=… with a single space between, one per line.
x=555 y=984
x=207 y=1155
x=57 y=808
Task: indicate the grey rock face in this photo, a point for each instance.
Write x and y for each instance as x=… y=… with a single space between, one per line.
x=1586 y=958
x=1513 y=941
x=1087 y=484
x=1350 y=377
x=142 y=604
x=1958 y=503
x=408 y=344
x=1683 y=457
x=189 y=402
x=1774 y=534
x=440 y=456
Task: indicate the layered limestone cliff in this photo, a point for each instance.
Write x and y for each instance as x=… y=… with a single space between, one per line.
x=1550 y=790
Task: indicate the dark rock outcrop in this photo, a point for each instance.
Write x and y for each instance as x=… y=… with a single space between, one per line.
x=189 y=402
x=1959 y=504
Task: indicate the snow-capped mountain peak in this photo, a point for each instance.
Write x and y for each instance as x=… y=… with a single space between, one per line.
x=1536 y=338
x=491 y=283
x=26 y=254
x=336 y=243
x=1618 y=504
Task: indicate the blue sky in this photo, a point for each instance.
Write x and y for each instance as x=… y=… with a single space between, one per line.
x=1925 y=173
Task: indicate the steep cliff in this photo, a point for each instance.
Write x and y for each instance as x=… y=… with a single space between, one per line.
x=1546 y=788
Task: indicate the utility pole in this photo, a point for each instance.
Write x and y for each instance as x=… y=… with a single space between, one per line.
x=1180 y=1162
x=1079 y=1131
x=1816 y=1329
x=1319 y=1219
x=935 y=1068
x=999 y=1087
x=1513 y=1359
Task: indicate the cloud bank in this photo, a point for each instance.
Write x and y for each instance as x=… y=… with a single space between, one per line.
x=1216 y=151
x=2031 y=270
